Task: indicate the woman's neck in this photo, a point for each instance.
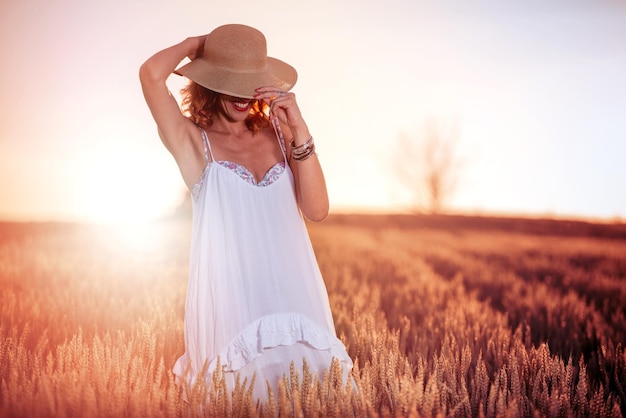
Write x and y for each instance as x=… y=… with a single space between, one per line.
x=223 y=126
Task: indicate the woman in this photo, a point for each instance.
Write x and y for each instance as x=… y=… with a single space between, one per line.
x=255 y=299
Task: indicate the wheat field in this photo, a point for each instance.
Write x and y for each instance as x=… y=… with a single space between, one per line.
x=442 y=317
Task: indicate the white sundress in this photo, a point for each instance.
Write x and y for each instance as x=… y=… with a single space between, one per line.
x=255 y=297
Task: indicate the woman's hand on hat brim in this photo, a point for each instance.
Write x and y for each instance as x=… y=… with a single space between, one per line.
x=269 y=94
x=279 y=101
x=284 y=106
x=197 y=46
x=282 y=103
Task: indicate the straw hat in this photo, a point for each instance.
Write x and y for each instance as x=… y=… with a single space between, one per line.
x=235 y=62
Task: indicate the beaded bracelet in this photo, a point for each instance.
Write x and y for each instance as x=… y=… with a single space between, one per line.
x=304 y=151
x=300 y=149
x=301 y=157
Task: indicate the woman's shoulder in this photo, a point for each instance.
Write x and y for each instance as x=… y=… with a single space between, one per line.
x=190 y=153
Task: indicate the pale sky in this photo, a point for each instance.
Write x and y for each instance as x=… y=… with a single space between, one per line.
x=537 y=89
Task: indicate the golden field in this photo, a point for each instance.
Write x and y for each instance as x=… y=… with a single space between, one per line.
x=443 y=316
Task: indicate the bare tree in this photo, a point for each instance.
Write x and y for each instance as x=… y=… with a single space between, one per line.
x=428 y=164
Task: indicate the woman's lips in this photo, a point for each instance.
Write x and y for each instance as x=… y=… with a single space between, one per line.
x=241 y=106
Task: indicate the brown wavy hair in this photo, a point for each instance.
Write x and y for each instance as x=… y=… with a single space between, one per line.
x=201 y=105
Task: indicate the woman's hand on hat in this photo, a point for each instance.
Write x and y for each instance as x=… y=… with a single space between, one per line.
x=282 y=104
x=196 y=46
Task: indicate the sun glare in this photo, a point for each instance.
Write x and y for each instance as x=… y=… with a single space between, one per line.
x=120 y=189
x=132 y=238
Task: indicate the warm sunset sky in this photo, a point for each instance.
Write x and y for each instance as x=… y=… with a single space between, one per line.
x=538 y=90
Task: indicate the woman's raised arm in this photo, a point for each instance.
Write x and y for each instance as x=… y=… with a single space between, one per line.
x=172 y=124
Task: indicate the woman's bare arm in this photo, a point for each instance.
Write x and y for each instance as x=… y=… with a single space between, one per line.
x=176 y=131
x=311 y=191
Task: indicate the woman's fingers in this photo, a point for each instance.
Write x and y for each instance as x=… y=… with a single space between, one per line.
x=276 y=98
x=269 y=93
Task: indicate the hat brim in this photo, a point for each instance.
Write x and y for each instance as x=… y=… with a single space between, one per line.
x=276 y=73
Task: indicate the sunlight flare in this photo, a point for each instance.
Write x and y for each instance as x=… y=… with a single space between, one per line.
x=125 y=189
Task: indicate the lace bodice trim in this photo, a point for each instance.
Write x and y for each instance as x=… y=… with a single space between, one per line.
x=270 y=177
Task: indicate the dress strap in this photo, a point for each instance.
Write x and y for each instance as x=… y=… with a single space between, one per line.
x=279 y=136
x=207 y=147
